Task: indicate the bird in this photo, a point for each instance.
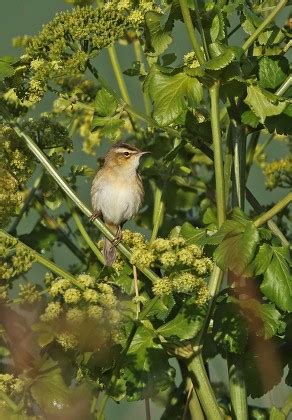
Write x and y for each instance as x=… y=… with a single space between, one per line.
x=117 y=193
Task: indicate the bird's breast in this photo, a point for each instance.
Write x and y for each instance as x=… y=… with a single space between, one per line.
x=118 y=199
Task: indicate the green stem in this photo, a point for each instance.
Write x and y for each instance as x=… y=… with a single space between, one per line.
x=264 y=24
x=139 y=57
x=273 y=211
x=203 y=388
x=71 y=194
x=237 y=387
x=253 y=142
x=228 y=164
x=11 y=404
x=201 y=29
x=191 y=32
x=271 y=224
x=218 y=158
x=158 y=211
x=239 y=143
x=44 y=261
x=285 y=86
x=84 y=234
x=118 y=74
x=193 y=404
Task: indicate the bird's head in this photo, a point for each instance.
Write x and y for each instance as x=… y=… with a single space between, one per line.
x=124 y=156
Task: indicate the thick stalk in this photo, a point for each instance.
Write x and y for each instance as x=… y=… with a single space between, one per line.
x=84 y=234
x=193 y=404
x=158 y=211
x=239 y=144
x=191 y=32
x=44 y=261
x=264 y=24
x=71 y=194
x=284 y=86
x=228 y=164
x=203 y=388
x=237 y=387
x=218 y=157
x=118 y=74
x=201 y=29
x=274 y=210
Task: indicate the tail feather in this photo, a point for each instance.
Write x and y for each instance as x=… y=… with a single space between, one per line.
x=109 y=252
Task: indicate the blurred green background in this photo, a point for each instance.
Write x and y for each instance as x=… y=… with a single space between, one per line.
x=19 y=17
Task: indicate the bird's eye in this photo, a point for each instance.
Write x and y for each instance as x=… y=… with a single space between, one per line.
x=127 y=154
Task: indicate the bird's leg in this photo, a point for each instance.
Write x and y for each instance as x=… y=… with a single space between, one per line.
x=94 y=216
x=118 y=236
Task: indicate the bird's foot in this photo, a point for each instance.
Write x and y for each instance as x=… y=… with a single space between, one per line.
x=118 y=237
x=94 y=216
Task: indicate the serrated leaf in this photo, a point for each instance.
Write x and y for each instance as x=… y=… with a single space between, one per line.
x=277 y=283
x=217 y=27
x=237 y=249
x=110 y=126
x=229 y=330
x=158 y=37
x=6 y=69
x=250 y=118
x=228 y=226
x=105 y=104
x=262 y=259
x=263 y=104
x=221 y=61
x=171 y=94
x=273 y=71
x=50 y=391
x=281 y=124
x=270 y=317
x=186 y=324
x=193 y=235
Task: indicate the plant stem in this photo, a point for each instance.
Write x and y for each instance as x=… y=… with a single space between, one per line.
x=253 y=142
x=218 y=158
x=84 y=234
x=203 y=388
x=191 y=32
x=271 y=224
x=136 y=289
x=118 y=73
x=264 y=145
x=228 y=164
x=239 y=142
x=11 y=404
x=70 y=193
x=192 y=403
x=264 y=24
x=44 y=261
x=273 y=211
x=158 y=211
x=284 y=86
x=201 y=29
x=139 y=57
x=237 y=387
x=147 y=409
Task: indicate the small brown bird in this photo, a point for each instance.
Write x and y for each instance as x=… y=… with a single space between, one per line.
x=117 y=192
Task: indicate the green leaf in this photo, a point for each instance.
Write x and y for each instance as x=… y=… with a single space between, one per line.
x=237 y=250
x=50 y=391
x=277 y=283
x=262 y=103
x=262 y=259
x=276 y=414
x=270 y=317
x=109 y=126
x=273 y=71
x=280 y=123
x=217 y=27
x=6 y=69
x=135 y=70
x=221 y=61
x=186 y=324
x=230 y=331
x=41 y=238
x=250 y=118
x=172 y=94
x=105 y=104
x=161 y=308
x=193 y=235
x=147 y=370
x=158 y=37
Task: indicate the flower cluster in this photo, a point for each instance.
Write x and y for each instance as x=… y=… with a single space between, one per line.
x=15 y=258
x=278 y=173
x=184 y=266
x=66 y=43
x=16 y=167
x=84 y=315
x=28 y=293
x=9 y=384
x=190 y=60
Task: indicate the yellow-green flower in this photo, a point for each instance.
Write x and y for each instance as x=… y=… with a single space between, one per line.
x=72 y=295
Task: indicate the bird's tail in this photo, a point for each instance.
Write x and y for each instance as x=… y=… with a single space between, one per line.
x=109 y=252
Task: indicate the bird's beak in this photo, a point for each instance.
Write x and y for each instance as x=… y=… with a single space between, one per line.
x=144 y=153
